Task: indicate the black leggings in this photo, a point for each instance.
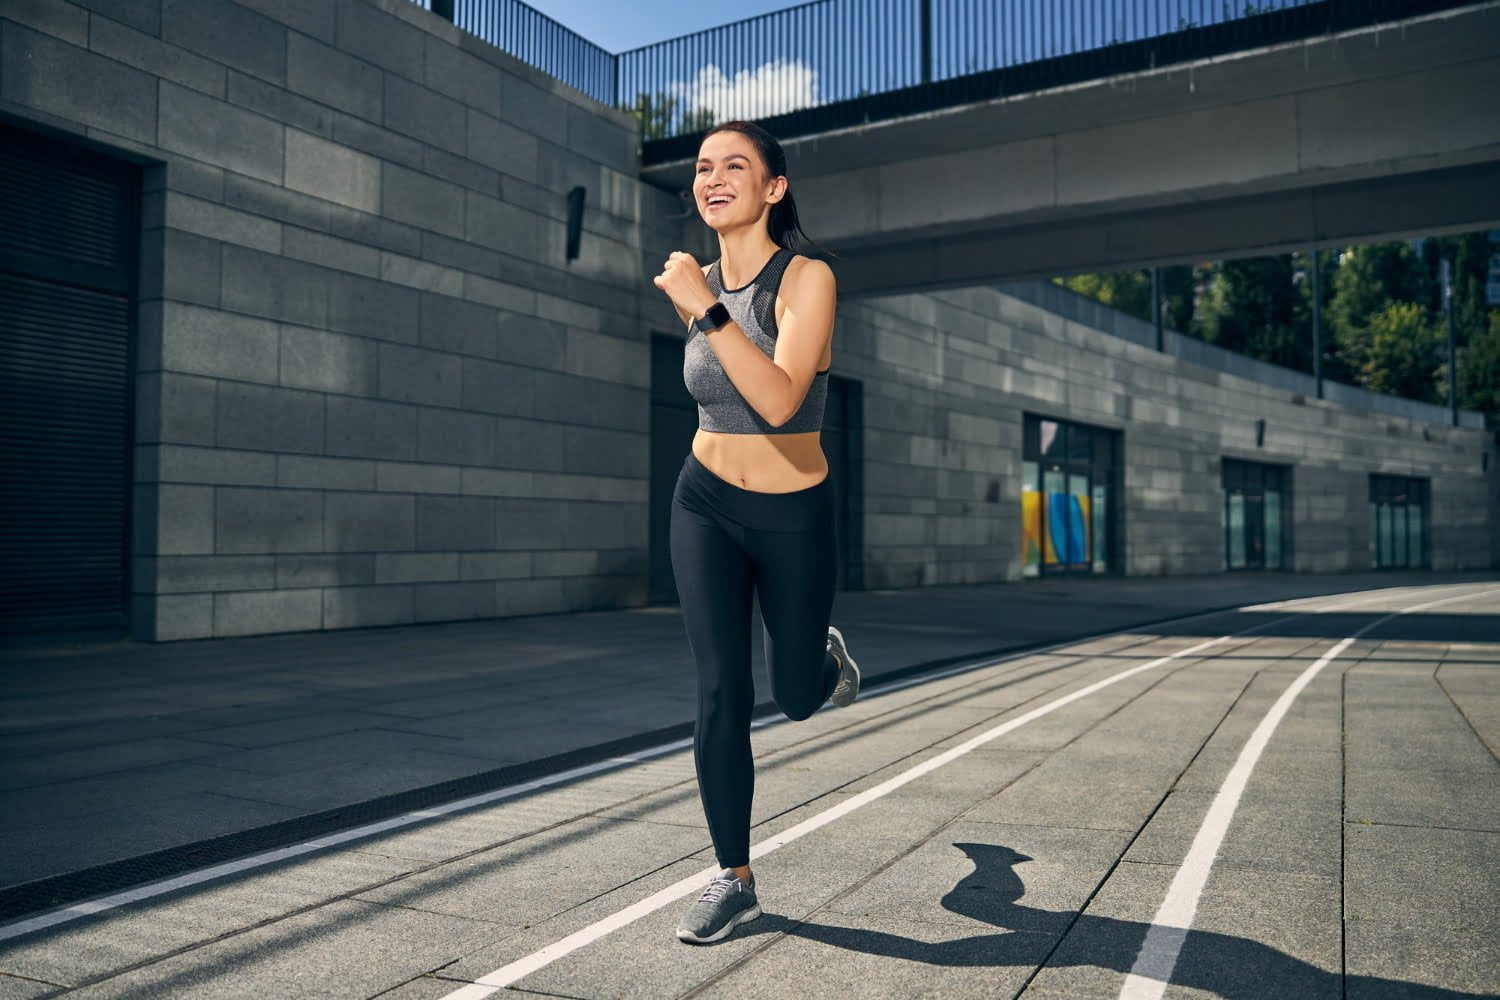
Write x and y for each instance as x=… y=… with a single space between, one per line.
x=728 y=543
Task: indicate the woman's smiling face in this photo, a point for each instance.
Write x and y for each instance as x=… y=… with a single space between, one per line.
x=730 y=184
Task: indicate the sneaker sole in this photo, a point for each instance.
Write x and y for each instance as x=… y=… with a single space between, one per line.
x=744 y=916
x=848 y=660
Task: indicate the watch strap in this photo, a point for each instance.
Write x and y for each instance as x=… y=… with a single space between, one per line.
x=716 y=317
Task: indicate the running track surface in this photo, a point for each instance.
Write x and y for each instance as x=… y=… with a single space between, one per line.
x=1285 y=801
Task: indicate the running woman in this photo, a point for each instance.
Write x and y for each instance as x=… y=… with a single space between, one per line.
x=752 y=513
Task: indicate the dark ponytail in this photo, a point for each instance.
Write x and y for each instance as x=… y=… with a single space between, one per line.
x=785 y=228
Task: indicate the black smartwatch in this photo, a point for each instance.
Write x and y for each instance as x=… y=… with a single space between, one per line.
x=716 y=317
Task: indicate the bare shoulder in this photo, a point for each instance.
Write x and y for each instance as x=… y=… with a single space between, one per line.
x=808 y=275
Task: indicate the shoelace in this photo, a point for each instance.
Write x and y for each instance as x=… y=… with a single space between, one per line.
x=716 y=891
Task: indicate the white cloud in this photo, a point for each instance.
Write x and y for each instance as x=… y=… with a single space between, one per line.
x=771 y=89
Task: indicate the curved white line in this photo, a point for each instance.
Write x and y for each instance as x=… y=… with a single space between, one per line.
x=1152 y=970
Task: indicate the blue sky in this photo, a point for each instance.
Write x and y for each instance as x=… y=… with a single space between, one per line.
x=617 y=25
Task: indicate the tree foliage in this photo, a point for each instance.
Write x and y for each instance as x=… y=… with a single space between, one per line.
x=662 y=115
x=1384 y=325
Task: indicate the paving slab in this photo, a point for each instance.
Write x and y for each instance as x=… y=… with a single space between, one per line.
x=1421 y=908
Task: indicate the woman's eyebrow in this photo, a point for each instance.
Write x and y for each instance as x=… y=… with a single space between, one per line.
x=731 y=156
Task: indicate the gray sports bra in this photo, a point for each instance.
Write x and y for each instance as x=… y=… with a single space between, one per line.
x=721 y=408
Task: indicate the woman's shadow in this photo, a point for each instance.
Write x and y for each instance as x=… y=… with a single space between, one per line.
x=1232 y=967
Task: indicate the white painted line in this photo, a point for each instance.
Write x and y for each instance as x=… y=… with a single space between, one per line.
x=1152 y=970
x=519 y=969
x=152 y=889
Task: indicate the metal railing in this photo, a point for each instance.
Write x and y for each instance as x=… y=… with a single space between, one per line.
x=833 y=63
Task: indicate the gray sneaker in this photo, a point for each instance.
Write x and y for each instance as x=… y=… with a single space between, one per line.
x=847 y=688
x=724 y=905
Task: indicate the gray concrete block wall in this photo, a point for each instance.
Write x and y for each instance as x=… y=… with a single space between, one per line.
x=370 y=388
x=948 y=378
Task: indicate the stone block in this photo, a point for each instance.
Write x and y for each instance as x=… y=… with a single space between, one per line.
x=604 y=525
x=364 y=428
x=450 y=523
x=446 y=322
x=140 y=50
x=609 y=359
x=215 y=222
x=268 y=418
x=64 y=21
x=528 y=597
x=179 y=266
x=424 y=114
x=219 y=133
x=494 y=565
x=375 y=36
x=209 y=466
x=210 y=342
x=529 y=444
x=268 y=521
x=228 y=33
x=601 y=138
x=460 y=75
x=377 y=140
x=372 y=308
x=331 y=362
x=184 y=520
x=415 y=567
x=300 y=571
x=325 y=74
x=44 y=73
x=274 y=287
x=176 y=408
x=461 y=255
x=500 y=225
x=605 y=452
x=302 y=471
x=278 y=104
x=421 y=200
x=414 y=375
x=502 y=147
x=206 y=574
x=491 y=387
x=169 y=617
x=530 y=524
x=368 y=522
x=559 y=563
x=264 y=612
x=274 y=201
x=442 y=602
x=332 y=252
x=362 y=607
x=421 y=275
x=455 y=437
x=532 y=110
x=374 y=233
x=416 y=477
x=332 y=171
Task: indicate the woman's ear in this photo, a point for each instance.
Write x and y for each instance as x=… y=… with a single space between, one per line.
x=777 y=190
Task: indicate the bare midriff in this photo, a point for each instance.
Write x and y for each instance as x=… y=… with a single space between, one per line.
x=763 y=463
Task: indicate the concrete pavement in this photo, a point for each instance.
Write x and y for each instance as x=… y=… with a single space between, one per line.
x=1358 y=860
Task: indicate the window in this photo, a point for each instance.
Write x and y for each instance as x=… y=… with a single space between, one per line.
x=1256 y=535
x=1068 y=518
x=1399 y=518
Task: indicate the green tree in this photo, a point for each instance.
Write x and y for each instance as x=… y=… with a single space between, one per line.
x=1256 y=306
x=1130 y=292
x=1400 y=352
x=1479 y=368
x=662 y=115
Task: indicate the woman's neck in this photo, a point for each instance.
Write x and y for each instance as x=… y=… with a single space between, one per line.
x=742 y=254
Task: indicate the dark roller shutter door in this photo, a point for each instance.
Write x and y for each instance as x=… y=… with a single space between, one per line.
x=67 y=221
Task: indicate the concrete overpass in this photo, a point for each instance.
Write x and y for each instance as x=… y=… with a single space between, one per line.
x=1369 y=134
